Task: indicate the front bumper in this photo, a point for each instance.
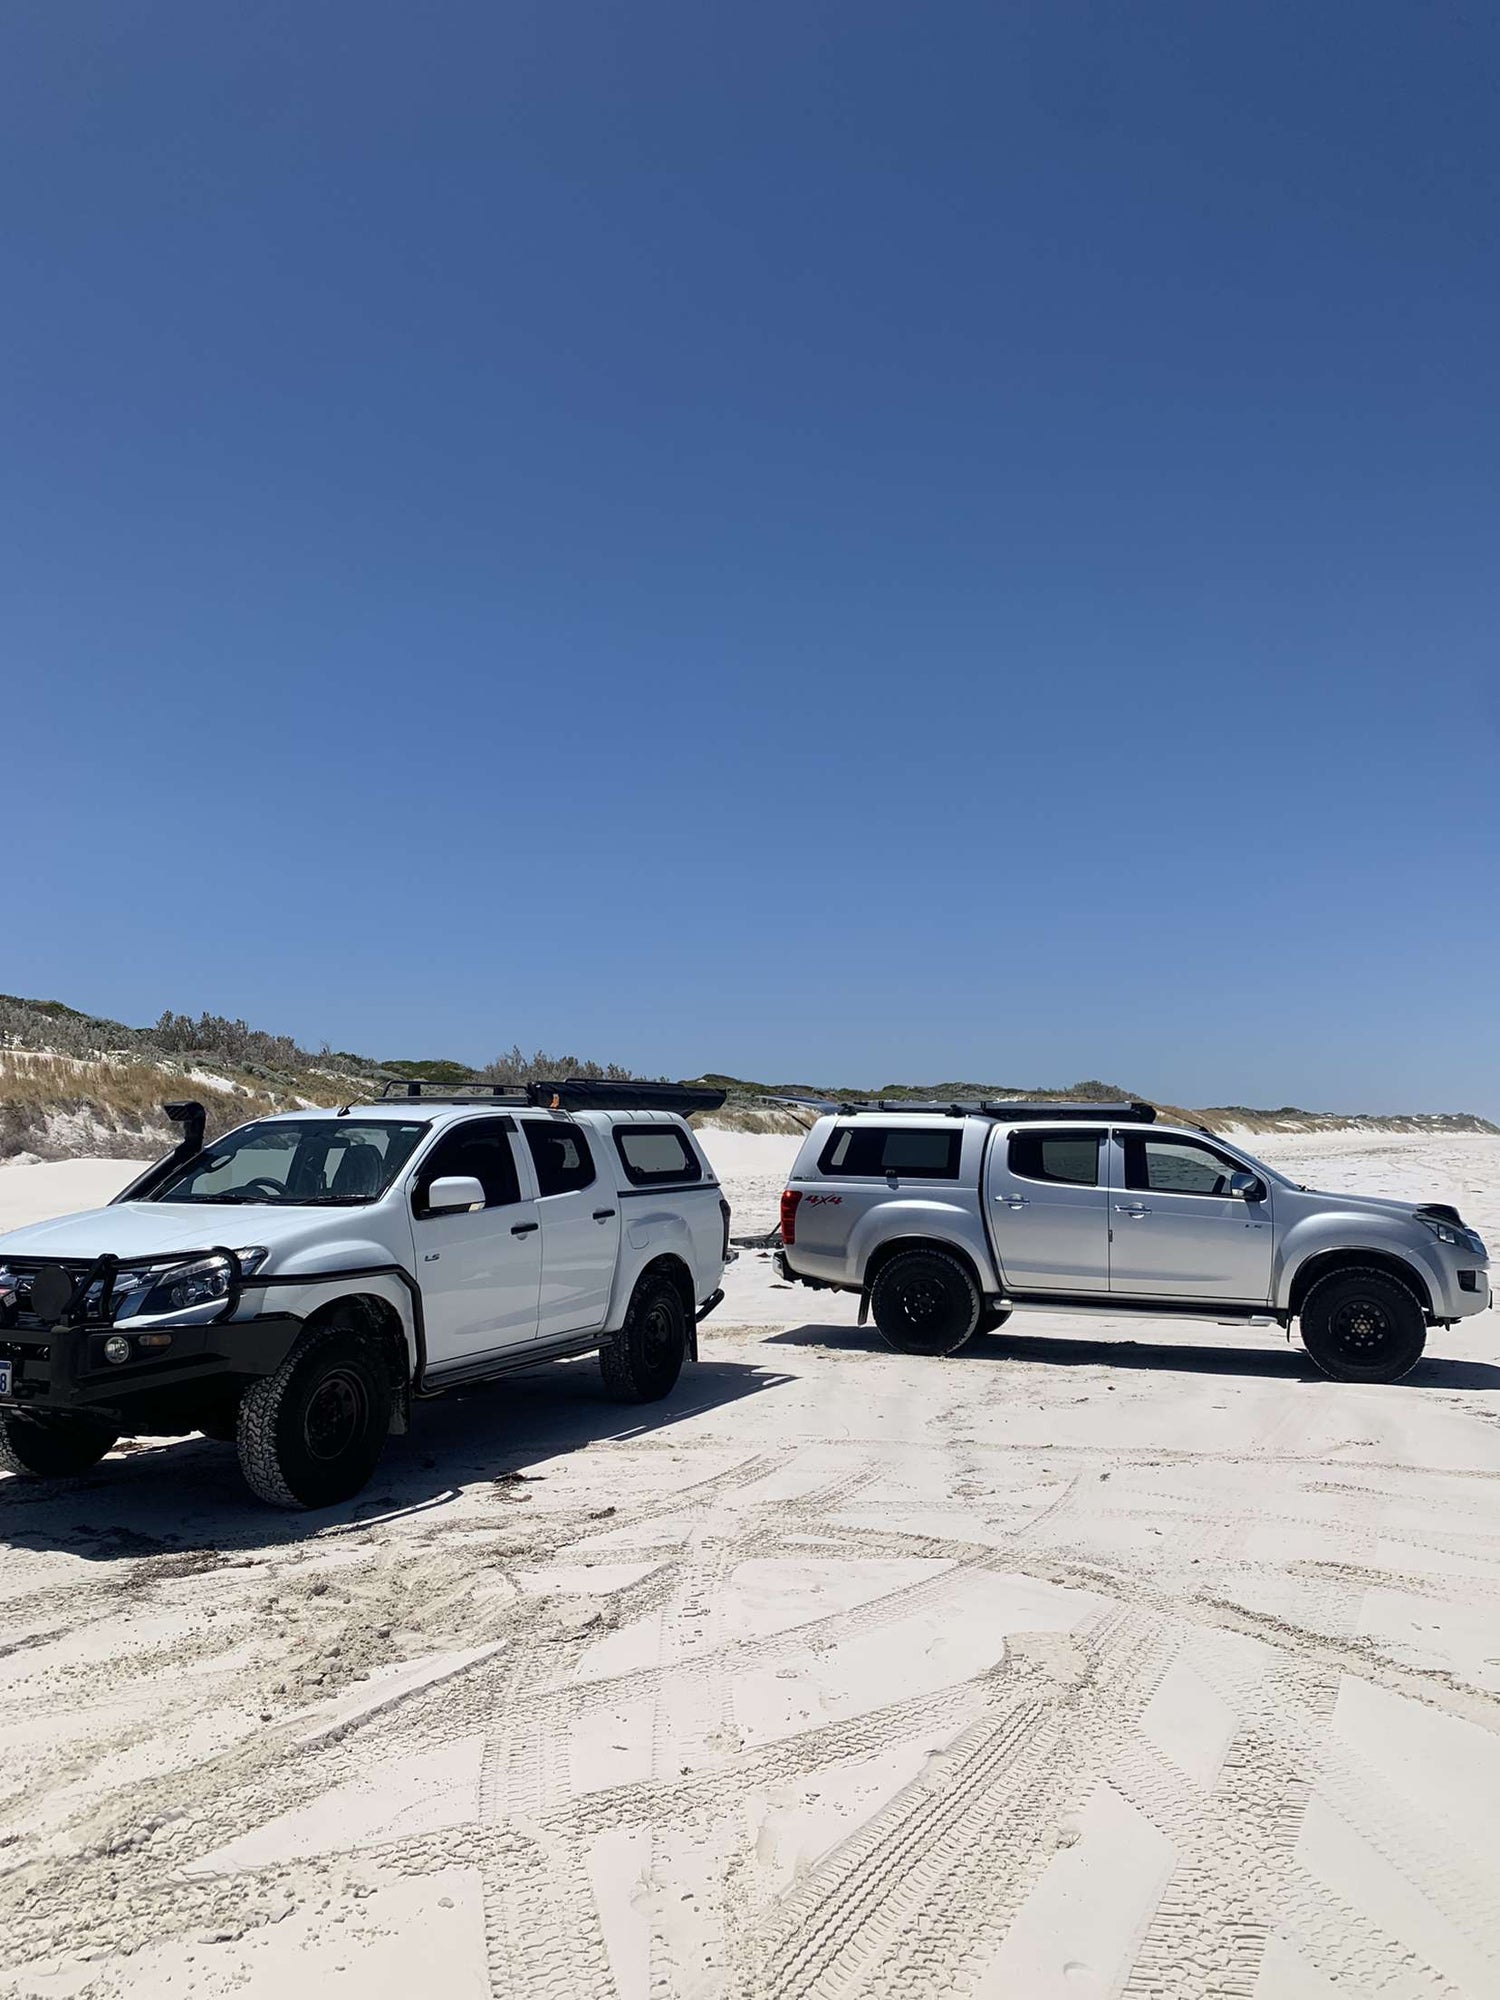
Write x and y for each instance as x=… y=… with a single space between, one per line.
x=1463 y=1283
x=1471 y=1292
x=64 y=1368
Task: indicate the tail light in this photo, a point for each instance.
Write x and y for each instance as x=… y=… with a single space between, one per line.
x=789 y=1200
x=724 y=1211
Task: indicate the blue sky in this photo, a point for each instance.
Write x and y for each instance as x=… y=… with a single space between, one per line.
x=844 y=542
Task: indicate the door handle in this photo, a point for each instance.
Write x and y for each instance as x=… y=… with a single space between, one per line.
x=1015 y=1200
x=523 y=1228
x=1135 y=1209
x=603 y=1214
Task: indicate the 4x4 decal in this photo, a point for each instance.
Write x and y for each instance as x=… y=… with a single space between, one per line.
x=822 y=1200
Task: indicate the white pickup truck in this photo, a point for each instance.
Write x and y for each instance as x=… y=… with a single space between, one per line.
x=297 y=1284
x=945 y=1218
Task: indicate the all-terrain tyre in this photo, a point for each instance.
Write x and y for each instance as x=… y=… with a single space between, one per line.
x=642 y=1363
x=925 y=1302
x=1363 y=1326
x=310 y=1434
x=51 y=1445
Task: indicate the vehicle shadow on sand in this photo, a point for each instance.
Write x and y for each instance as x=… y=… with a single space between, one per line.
x=1433 y=1371
x=185 y=1497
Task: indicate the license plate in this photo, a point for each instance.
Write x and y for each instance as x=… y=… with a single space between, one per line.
x=6 y=1369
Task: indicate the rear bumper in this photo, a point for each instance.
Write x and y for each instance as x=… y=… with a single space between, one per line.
x=66 y=1369
x=793 y=1276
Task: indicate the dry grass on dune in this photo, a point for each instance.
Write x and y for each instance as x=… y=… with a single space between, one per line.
x=49 y=1102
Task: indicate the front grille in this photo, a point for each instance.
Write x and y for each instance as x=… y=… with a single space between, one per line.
x=22 y=1322
x=16 y=1316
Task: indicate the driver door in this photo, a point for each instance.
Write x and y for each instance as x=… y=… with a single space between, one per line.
x=480 y=1269
x=1176 y=1231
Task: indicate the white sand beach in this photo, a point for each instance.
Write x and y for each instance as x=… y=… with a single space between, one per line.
x=1101 y=1659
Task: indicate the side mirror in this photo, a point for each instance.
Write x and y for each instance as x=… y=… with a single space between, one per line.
x=1247 y=1187
x=451 y=1191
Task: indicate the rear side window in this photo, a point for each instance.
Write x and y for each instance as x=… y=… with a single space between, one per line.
x=1056 y=1156
x=652 y=1153
x=926 y=1155
x=561 y=1156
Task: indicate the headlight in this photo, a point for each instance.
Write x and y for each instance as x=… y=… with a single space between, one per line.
x=187 y=1285
x=1454 y=1233
x=167 y=1288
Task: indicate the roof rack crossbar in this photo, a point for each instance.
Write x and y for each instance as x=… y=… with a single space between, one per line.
x=998 y=1108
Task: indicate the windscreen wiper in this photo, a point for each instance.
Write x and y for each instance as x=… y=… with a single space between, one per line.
x=238 y=1200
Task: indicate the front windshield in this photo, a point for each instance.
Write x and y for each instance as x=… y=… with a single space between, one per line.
x=310 y=1162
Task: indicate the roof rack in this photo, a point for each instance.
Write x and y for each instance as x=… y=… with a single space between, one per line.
x=1131 y=1114
x=430 y=1091
x=586 y=1093
x=566 y=1093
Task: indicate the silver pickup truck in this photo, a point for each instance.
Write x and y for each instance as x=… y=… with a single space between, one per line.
x=946 y=1218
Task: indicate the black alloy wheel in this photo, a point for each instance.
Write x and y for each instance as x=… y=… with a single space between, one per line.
x=1363 y=1326
x=311 y=1434
x=336 y=1413
x=925 y=1302
x=643 y=1361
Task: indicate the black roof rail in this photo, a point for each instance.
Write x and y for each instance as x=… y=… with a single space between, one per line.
x=432 y=1092
x=587 y=1093
x=564 y=1093
x=1093 y=1114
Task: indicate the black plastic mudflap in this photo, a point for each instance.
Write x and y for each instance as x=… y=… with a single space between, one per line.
x=710 y=1304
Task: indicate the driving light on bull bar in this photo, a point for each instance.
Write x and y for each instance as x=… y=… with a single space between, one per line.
x=117 y=1348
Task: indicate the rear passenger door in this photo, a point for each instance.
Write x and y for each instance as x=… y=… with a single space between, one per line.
x=580 y=1220
x=1049 y=1212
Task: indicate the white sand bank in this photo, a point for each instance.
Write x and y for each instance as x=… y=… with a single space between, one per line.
x=57 y=1187
x=1102 y=1659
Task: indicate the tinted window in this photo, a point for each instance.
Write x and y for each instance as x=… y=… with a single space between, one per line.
x=480 y=1149
x=929 y=1154
x=656 y=1153
x=311 y=1160
x=1056 y=1156
x=1176 y=1166
x=561 y=1156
